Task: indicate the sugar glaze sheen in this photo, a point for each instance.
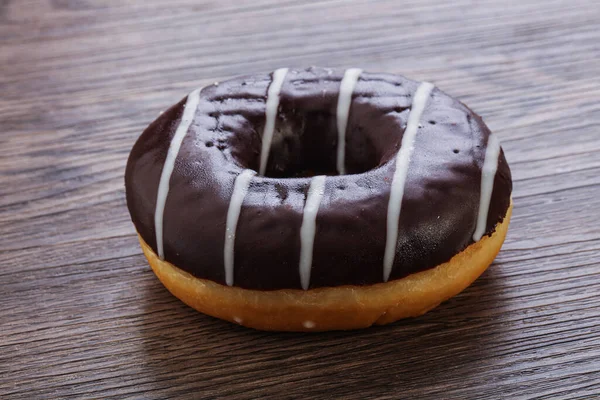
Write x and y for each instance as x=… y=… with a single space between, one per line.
x=252 y=183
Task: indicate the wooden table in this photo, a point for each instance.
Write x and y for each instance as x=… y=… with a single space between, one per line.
x=83 y=316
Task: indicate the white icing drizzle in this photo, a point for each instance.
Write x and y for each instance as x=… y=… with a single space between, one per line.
x=399 y=180
x=238 y=320
x=240 y=189
x=189 y=111
x=308 y=228
x=343 y=109
x=270 y=116
x=308 y=324
x=488 y=173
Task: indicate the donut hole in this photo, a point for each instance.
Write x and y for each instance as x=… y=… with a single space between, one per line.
x=305 y=136
x=304 y=144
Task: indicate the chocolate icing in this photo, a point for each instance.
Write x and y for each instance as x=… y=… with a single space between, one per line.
x=439 y=208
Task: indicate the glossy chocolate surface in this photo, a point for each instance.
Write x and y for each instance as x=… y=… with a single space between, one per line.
x=440 y=204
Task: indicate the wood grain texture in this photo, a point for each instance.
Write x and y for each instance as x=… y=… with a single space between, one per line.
x=82 y=316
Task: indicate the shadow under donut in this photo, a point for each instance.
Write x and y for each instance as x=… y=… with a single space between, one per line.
x=197 y=356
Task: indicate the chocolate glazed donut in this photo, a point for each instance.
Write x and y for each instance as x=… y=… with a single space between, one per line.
x=315 y=178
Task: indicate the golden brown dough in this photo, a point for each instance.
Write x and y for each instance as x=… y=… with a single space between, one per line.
x=333 y=308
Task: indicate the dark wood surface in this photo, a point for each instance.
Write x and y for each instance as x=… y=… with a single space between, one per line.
x=82 y=315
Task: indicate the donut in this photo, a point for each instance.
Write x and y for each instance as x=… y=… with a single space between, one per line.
x=318 y=199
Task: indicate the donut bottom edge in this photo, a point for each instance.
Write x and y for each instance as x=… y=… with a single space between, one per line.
x=332 y=308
